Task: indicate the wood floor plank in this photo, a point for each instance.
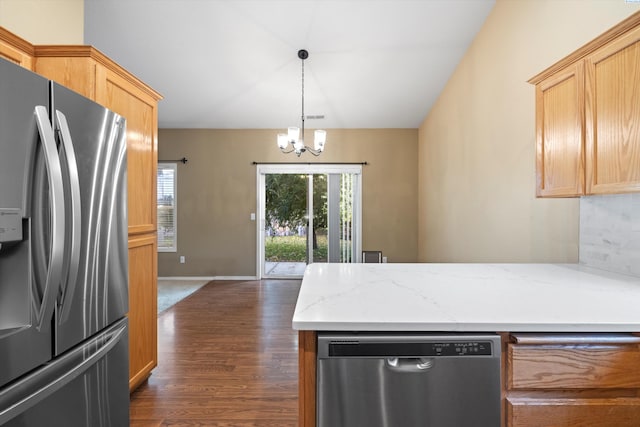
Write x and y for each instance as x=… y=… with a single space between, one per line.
x=227 y=357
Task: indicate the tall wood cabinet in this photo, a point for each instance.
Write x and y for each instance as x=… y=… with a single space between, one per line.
x=90 y=73
x=587 y=115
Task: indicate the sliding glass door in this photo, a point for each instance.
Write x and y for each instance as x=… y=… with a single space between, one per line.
x=307 y=214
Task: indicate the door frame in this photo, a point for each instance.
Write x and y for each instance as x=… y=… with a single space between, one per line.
x=304 y=169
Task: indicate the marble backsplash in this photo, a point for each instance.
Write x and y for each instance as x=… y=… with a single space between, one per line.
x=610 y=232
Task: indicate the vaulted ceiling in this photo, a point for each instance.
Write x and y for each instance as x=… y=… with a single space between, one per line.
x=233 y=63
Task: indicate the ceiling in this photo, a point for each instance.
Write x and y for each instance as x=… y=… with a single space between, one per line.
x=233 y=63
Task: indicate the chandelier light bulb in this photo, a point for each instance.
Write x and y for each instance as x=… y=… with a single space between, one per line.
x=319 y=138
x=283 y=141
x=294 y=134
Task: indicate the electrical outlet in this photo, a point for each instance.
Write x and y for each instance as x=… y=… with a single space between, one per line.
x=384 y=259
x=181 y=259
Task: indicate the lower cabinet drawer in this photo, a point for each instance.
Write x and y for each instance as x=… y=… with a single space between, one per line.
x=604 y=365
x=530 y=412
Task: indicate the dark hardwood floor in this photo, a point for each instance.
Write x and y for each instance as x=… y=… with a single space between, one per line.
x=227 y=356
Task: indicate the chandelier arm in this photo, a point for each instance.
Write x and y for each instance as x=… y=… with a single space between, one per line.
x=287 y=151
x=312 y=151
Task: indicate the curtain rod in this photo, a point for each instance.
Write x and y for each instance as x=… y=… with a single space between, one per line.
x=310 y=163
x=183 y=160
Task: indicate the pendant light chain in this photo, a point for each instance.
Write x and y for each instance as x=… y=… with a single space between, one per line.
x=302 y=134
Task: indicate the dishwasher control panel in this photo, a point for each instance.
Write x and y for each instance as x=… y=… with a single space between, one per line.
x=467 y=348
x=410 y=349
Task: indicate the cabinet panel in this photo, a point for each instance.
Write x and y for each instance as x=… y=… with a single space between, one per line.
x=559 y=134
x=16 y=49
x=613 y=116
x=14 y=55
x=606 y=412
x=307 y=354
x=141 y=113
x=77 y=74
x=143 y=307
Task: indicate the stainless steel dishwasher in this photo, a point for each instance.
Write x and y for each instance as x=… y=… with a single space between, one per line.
x=408 y=380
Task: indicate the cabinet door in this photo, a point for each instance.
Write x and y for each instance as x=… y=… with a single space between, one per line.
x=595 y=412
x=143 y=307
x=613 y=116
x=140 y=110
x=570 y=380
x=559 y=134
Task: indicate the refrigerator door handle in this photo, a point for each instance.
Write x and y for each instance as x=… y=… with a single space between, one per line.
x=54 y=270
x=20 y=396
x=72 y=262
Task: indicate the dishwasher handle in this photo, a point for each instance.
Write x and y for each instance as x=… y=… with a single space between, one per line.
x=409 y=364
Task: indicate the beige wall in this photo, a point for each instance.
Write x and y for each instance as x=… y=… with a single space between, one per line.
x=217 y=193
x=44 y=21
x=476 y=147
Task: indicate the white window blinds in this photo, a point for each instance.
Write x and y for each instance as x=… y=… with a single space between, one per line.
x=167 y=232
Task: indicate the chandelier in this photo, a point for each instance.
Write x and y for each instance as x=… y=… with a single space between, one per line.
x=293 y=140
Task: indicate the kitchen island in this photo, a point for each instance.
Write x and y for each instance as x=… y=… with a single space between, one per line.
x=546 y=314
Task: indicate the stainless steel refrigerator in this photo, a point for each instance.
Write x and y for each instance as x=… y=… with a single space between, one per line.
x=63 y=257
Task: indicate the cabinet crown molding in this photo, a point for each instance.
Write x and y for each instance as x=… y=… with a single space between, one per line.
x=16 y=41
x=85 y=51
x=77 y=51
x=621 y=28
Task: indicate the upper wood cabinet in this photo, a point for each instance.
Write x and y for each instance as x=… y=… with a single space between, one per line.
x=588 y=117
x=87 y=71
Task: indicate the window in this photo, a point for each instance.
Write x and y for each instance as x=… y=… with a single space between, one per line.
x=167 y=232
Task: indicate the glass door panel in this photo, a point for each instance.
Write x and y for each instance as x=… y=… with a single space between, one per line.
x=318 y=238
x=340 y=196
x=285 y=232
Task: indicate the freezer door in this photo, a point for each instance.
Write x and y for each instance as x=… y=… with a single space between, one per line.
x=31 y=222
x=92 y=145
x=86 y=386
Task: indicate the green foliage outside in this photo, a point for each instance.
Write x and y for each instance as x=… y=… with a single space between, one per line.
x=286 y=208
x=286 y=201
x=293 y=249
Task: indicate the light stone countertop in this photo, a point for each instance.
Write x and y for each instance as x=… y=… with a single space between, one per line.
x=466 y=298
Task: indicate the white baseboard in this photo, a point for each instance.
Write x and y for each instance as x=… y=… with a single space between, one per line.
x=209 y=278
x=185 y=278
